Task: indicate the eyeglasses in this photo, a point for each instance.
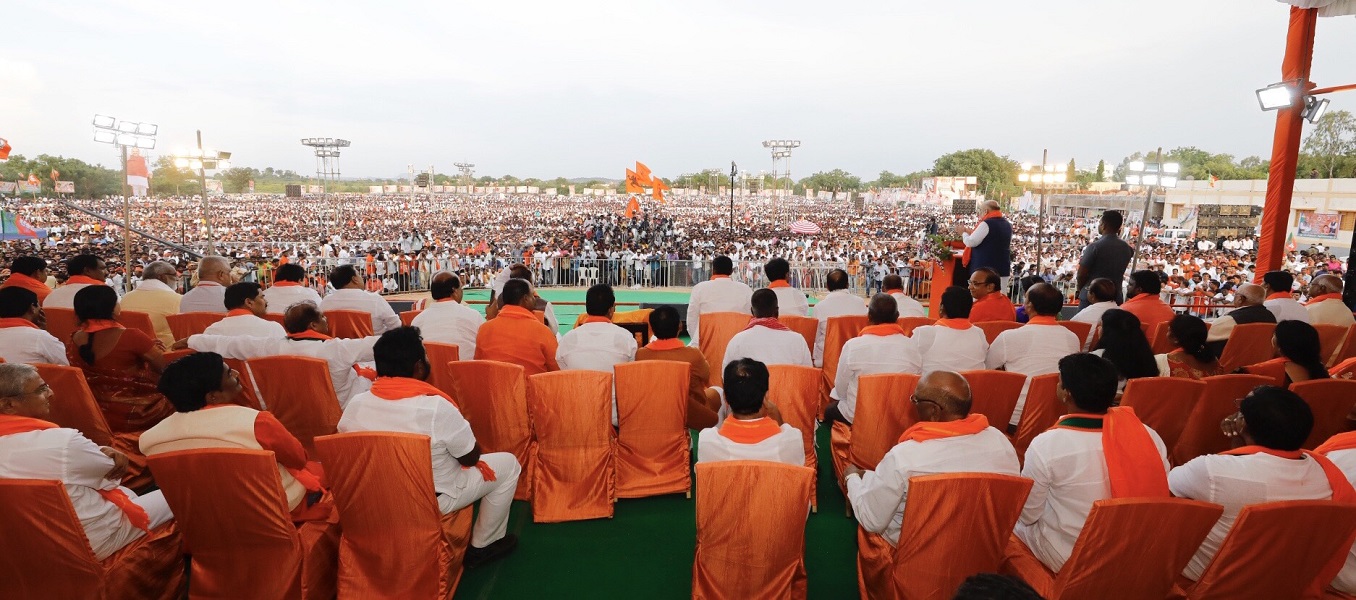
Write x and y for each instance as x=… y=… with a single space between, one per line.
x=41 y=390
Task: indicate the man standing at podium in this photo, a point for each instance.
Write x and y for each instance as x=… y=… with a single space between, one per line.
x=989 y=244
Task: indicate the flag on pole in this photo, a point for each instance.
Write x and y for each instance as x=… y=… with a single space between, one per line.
x=55 y=174
x=643 y=173
x=631 y=207
x=633 y=183
x=1213 y=179
x=659 y=187
x=1290 y=241
x=33 y=179
x=138 y=176
x=4 y=149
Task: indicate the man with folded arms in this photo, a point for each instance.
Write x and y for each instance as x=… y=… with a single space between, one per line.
x=754 y=430
x=953 y=343
x=402 y=401
x=838 y=303
x=791 y=300
x=720 y=294
x=246 y=306
x=82 y=270
x=516 y=335
x=446 y=320
x=1035 y=348
x=908 y=307
x=22 y=337
x=946 y=439
x=289 y=288
x=881 y=347
x=156 y=297
x=766 y=339
x=703 y=402
x=30 y=273
x=991 y=304
x=350 y=295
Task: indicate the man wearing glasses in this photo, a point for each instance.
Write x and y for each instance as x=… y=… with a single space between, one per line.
x=22 y=337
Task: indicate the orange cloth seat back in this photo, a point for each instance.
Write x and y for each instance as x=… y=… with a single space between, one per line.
x=349 y=324
x=439 y=355
x=1201 y=434
x=714 y=335
x=1164 y=404
x=837 y=332
x=73 y=405
x=48 y=556
x=396 y=543
x=1345 y=351
x=1331 y=400
x=139 y=321
x=796 y=391
x=883 y=413
x=1249 y=344
x=1116 y=551
x=1344 y=370
x=249 y=395
x=407 y=317
x=807 y=327
x=231 y=509
x=1043 y=409
x=276 y=318
x=1297 y=541
x=1273 y=369
x=576 y=449
x=61 y=323
x=1159 y=342
x=993 y=328
x=934 y=555
x=653 y=447
x=299 y=392
x=911 y=323
x=1330 y=339
x=994 y=394
x=183 y=325
x=493 y=398
x=747 y=554
x=630 y=317
x=1079 y=328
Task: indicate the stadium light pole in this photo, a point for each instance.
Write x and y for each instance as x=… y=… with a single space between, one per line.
x=203 y=160
x=781 y=149
x=734 y=170
x=1150 y=175
x=108 y=130
x=1047 y=174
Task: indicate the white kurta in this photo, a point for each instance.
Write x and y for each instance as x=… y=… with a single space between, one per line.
x=1287 y=309
x=282 y=298
x=29 y=345
x=1346 y=580
x=838 y=303
x=791 y=301
x=339 y=354
x=208 y=296
x=1330 y=312
x=63 y=296
x=450 y=322
x=869 y=355
x=1030 y=350
x=947 y=349
x=595 y=347
x=768 y=346
x=1092 y=315
x=383 y=316
x=716 y=295
x=908 y=307
x=246 y=325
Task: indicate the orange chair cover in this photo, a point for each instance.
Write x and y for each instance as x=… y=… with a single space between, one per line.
x=796 y=392
x=715 y=333
x=1346 y=351
x=911 y=323
x=396 y=543
x=576 y=450
x=994 y=394
x=61 y=323
x=993 y=328
x=48 y=556
x=883 y=413
x=1330 y=340
x=1273 y=369
x=1344 y=370
x=807 y=327
x=73 y=406
x=407 y=317
x=1043 y=409
x=349 y=324
x=183 y=325
x=1164 y=404
x=438 y=356
x=641 y=316
x=231 y=508
x=1201 y=434
x=875 y=566
x=1116 y=551
x=935 y=554
x=1079 y=328
x=1331 y=400
x=747 y=554
x=1249 y=344
x=493 y=398
x=837 y=332
x=1159 y=342
x=249 y=395
x=138 y=320
x=276 y=318
x=653 y=447
x=299 y=392
x=1295 y=540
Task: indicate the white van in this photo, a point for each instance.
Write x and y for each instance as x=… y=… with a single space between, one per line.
x=1174 y=236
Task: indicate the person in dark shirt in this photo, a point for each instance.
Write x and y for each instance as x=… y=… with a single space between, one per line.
x=1107 y=256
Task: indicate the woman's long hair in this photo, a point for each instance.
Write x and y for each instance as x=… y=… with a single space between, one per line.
x=1298 y=342
x=91 y=303
x=1190 y=332
x=1123 y=343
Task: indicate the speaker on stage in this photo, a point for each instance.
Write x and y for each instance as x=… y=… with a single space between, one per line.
x=293 y=190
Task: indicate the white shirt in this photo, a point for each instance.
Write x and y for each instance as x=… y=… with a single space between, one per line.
x=30 y=345
x=595 y=347
x=247 y=325
x=449 y=433
x=1285 y=309
x=908 y=307
x=1069 y=471
x=450 y=322
x=340 y=354
x=869 y=355
x=1092 y=315
x=837 y=303
x=791 y=301
x=717 y=295
x=1237 y=481
x=208 y=296
x=976 y=237
x=768 y=346
x=785 y=447
x=383 y=316
x=282 y=298
x=1031 y=350
x=956 y=349
x=1330 y=312
x=878 y=496
x=63 y=296
x=1346 y=579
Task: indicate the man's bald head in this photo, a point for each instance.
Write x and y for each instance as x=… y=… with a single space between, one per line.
x=882 y=310
x=988 y=205
x=948 y=390
x=1250 y=294
x=445 y=285
x=304 y=316
x=1325 y=284
x=215 y=268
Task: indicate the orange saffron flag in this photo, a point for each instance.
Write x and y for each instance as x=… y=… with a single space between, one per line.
x=643 y=173
x=633 y=183
x=632 y=207
x=659 y=187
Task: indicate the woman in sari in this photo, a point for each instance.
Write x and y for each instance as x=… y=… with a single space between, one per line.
x=121 y=365
x=1190 y=357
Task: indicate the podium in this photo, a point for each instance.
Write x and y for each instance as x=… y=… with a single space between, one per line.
x=944 y=275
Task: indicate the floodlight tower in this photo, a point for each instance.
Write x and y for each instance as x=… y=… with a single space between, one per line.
x=125 y=134
x=326 y=161
x=467 y=172
x=781 y=150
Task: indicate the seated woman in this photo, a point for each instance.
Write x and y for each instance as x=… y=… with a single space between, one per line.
x=120 y=364
x=1123 y=343
x=1190 y=358
x=1297 y=343
x=205 y=392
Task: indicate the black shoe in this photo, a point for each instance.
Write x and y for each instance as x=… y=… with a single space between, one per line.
x=476 y=557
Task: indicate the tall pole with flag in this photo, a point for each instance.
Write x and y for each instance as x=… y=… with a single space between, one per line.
x=734 y=171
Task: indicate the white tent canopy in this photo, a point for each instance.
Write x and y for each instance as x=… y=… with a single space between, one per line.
x=1326 y=8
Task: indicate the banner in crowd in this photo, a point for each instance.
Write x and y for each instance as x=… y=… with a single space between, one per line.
x=549 y=192
x=138 y=176
x=28 y=187
x=14 y=228
x=1318 y=224
x=388 y=189
x=214 y=185
x=7 y=187
x=374 y=189
x=65 y=187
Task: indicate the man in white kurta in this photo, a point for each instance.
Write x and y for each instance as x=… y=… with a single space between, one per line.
x=1102 y=295
x=753 y=430
x=214 y=274
x=289 y=288
x=838 y=303
x=882 y=347
x=1280 y=299
x=720 y=294
x=446 y=320
x=952 y=344
x=791 y=300
x=22 y=339
x=245 y=310
x=1325 y=304
x=349 y=294
x=83 y=270
x=908 y=307
x=597 y=344
x=1035 y=348
x=766 y=340
x=1341 y=450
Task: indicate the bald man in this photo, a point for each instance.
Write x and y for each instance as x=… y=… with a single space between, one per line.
x=1325 y=304
x=1248 y=298
x=214 y=275
x=446 y=320
x=946 y=439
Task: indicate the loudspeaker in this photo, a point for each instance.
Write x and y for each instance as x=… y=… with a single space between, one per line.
x=293 y=190
x=963 y=206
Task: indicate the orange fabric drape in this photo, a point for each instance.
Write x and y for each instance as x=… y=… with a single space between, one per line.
x=714 y=335
x=1201 y=434
x=571 y=413
x=935 y=430
x=1163 y=403
x=349 y=324
x=796 y=391
x=299 y=392
x=61 y=323
x=911 y=323
x=994 y=394
x=1331 y=402
x=883 y=413
x=1133 y=465
x=993 y=328
x=76 y=408
x=1041 y=412
x=1080 y=329
x=743 y=555
x=139 y=321
x=396 y=543
x=837 y=332
x=653 y=447
x=493 y=398
x=183 y=325
x=1273 y=369
x=439 y=355
x=807 y=327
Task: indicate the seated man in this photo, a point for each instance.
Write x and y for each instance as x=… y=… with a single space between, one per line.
x=703 y=402
x=400 y=400
x=156 y=297
x=1141 y=300
x=516 y=335
x=1037 y=347
x=1279 y=286
x=205 y=392
x=446 y=320
x=30 y=273
x=22 y=337
x=597 y=344
x=720 y=294
x=908 y=307
x=754 y=430
x=1325 y=304
x=991 y=304
x=789 y=298
x=209 y=295
x=349 y=295
x=289 y=287
x=838 y=303
x=1270 y=426
x=953 y=343
x=1093 y=453
x=33 y=448
x=82 y=270
x=946 y=439
x=1102 y=294
x=545 y=309
x=766 y=339
x=1248 y=298
x=246 y=306
x=882 y=347
x=1341 y=450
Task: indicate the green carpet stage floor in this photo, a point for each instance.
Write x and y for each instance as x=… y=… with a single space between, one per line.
x=646 y=551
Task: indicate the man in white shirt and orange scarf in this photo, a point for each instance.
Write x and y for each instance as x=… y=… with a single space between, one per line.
x=246 y=306
x=791 y=300
x=83 y=270
x=754 y=430
x=1325 y=304
x=952 y=343
x=720 y=294
x=1341 y=450
x=766 y=339
x=881 y=347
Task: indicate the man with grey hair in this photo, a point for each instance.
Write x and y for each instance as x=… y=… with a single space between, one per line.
x=1248 y=298
x=989 y=244
x=156 y=297
x=1325 y=304
x=33 y=448
x=214 y=274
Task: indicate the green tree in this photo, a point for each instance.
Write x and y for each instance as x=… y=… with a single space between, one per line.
x=236 y=180
x=169 y=180
x=995 y=173
x=836 y=180
x=1101 y=170
x=1332 y=140
x=1072 y=173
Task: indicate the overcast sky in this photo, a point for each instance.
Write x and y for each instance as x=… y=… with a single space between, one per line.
x=583 y=88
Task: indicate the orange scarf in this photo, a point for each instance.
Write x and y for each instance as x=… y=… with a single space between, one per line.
x=925 y=431
x=1134 y=468
x=399 y=388
x=309 y=334
x=965 y=256
x=1140 y=297
x=1341 y=488
x=770 y=323
x=669 y=344
x=1322 y=297
x=748 y=432
x=780 y=283
x=17 y=322
x=894 y=291
x=24 y=281
x=1040 y=320
x=516 y=312
x=239 y=312
x=958 y=324
x=883 y=329
x=592 y=319
x=84 y=280
x=287 y=284
x=1341 y=441
x=1280 y=296
x=97 y=325
x=715 y=277
x=11 y=424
